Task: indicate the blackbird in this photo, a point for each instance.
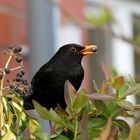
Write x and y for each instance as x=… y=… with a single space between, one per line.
x=47 y=85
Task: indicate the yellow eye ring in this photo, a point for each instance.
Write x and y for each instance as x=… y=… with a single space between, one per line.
x=73 y=49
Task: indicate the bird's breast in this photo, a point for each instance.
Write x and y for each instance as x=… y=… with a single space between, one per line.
x=76 y=76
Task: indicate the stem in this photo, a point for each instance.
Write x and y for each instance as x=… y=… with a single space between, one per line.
x=76 y=127
x=2 y=121
x=117 y=93
x=16 y=68
x=2 y=81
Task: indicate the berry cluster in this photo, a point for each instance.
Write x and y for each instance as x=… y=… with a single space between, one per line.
x=17 y=52
x=18 y=84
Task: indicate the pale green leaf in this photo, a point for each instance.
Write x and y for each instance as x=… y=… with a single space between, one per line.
x=80 y=100
x=133 y=90
x=5 y=105
x=33 y=125
x=118 y=82
x=50 y=115
x=135 y=132
x=123 y=127
x=126 y=105
x=16 y=106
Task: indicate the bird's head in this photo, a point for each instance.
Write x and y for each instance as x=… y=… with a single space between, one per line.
x=77 y=51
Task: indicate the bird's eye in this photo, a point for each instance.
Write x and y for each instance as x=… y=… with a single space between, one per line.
x=73 y=49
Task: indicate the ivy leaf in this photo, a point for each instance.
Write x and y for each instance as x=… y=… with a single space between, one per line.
x=5 y=105
x=8 y=135
x=50 y=115
x=33 y=125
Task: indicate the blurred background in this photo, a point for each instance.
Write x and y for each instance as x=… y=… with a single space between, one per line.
x=42 y=26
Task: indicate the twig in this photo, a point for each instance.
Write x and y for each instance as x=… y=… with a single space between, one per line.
x=76 y=127
x=1 y=92
x=2 y=81
x=12 y=69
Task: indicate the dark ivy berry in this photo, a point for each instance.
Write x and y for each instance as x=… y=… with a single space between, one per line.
x=19 y=74
x=9 y=99
x=17 y=49
x=18 y=59
x=22 y=72
x=17 y=90
x=24 y=82
x=11 y=47
x=11 y=86
x=18 y=79
x=7 y=70
x=1 y=76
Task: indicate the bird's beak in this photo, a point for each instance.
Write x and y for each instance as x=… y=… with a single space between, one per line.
x=89 y=49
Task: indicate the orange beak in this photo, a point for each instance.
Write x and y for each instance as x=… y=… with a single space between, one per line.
x=89 y=49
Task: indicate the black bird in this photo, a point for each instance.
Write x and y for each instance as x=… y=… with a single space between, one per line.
x=47 y=85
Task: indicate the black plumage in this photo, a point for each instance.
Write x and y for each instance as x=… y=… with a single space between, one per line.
x=47 y=85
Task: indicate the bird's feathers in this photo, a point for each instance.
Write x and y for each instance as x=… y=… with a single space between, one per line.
x=47 y=85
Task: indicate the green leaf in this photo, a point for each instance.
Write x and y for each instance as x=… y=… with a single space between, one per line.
x=133 y=90
x=61 y=137
x=50 y=115
x=33 y=125
x=8 y=135
x=96 y=122
x=135 y=131
x=123 y=127
x=93 y=133
x=5 y=105
x=102 y=108
x=118 y=82
x=15 y=98
x=80 y=100
x=16 y=106
x=42 y=136
x=126 y=105
x=123 y=89
x=114 y=109
x=16 y=113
